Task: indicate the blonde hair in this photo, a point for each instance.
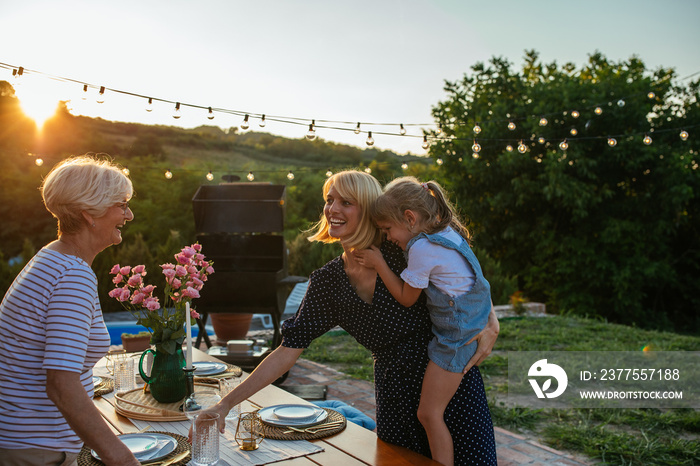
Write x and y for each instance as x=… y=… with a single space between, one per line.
x=361 y=188
x=83 y=183
x=428 y=200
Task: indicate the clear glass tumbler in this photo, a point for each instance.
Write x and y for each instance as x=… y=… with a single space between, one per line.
x=205 y=439
x=226 y=386
x=124 y=379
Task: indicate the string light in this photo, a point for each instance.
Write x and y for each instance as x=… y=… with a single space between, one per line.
x=543 y=121
x=646 y=140
x=511 y=126
x=245 y=124
x=684 y=135
x=573 y=131
x=509 y=148
x=404 y=166
x=402 y=130
x=651 y=95
x=370 y=139
x=475 y=155
x=598 y=111
x=357 y=130
x=425 y=144
x=575 y=114
x=101 y=95
x=612 y=142
x=262 y=121
x=210 y=176
x=85 y=92
x=477 y=128
x=563 y=145
x=620 y=103
x=438 y=161
x=176 y=113
x=149 y=105
x=250 y=176
x=476 y=147
x=311 y=135
x=126 y=171
x=439 y=130
x=541 y=140
x=329 y=173
x=39 y=161
x=210 y=115
x=168 y=174
x=368 y=170
x=522 y=148
x=290 y=175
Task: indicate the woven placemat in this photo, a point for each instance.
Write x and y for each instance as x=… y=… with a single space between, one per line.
x=278 y=433
x=231 y=371
x=85 y=458
x=104 y=387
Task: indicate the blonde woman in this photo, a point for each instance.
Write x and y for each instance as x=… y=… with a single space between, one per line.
x=51 y=327
x=344 y=293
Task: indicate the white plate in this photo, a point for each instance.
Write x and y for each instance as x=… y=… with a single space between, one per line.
x=298 y=413
x=208 y=368
x=269 y=416
x=147 y=447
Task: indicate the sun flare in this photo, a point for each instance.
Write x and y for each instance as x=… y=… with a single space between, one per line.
x=37 y=106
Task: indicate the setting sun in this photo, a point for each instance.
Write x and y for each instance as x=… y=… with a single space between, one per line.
x=36 y=105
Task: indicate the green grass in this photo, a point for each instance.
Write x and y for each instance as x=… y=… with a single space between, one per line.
x=606 y=436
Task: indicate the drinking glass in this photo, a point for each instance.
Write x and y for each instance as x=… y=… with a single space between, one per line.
x=201 y=399
x=205 y=439
x=226 y=386
x=124 y=379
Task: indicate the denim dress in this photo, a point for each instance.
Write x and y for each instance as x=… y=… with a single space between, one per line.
x=456 y=319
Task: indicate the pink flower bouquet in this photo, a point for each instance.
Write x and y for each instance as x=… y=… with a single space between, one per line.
x=184 y=279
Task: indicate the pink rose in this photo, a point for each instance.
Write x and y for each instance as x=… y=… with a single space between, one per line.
x=188 y=251
x=151 y=304
x=148 y=289
x=137 y=298
x=125 y=270
x=140 y=269
x=180 y=271
x=115 y=269
x=210 y=270
x=176 y=284
x=125 y=293
x=117 y=279
x=194 y=314
x=192 y=270
x=135 y=280
x=169 y=274
x=197 y=247
x=115 y=293
x=167 y=266
x=199 y=257
x=190 y=292
x=197 y=283
x=182 y=259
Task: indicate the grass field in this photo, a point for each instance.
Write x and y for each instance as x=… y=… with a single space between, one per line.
x=608 y=436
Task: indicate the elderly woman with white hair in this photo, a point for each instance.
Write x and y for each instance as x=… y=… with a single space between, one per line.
x=51 y=327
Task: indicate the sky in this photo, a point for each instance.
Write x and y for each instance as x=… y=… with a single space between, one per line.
x=381 y=61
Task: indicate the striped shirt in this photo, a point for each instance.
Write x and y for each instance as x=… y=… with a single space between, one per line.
x=50 y=318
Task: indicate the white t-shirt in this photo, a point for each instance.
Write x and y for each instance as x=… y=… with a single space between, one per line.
x=444 y=267
x=50 y=318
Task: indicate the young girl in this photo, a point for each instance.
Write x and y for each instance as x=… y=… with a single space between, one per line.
x=419 y=218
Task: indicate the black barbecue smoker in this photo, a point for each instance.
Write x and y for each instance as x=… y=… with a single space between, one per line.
x=240 y=227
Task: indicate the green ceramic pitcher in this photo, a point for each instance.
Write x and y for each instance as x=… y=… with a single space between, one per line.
x=167 y=380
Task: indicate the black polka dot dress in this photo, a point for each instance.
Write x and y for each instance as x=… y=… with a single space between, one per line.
x=398 y=338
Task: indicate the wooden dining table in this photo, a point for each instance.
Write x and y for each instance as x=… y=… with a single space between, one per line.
x=355 y=445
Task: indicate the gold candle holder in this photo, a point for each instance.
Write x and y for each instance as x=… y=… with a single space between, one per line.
x=249 y=432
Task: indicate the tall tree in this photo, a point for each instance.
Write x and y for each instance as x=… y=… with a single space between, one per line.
x=610 y=226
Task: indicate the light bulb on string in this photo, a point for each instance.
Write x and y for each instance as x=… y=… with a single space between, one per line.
x=439 y=130
x=620 y=103
x=262 y=121
x=651 y=95
x=541 y=140
x=126 y=171
x=370 y=139
x=509 y=148
x=250 y=176
x=245 y=124
x=329 y=173
x=563 y=145
x=612 y=142
x=149 y=105
x=17 y=74
x=402 y=130
x=168 y=174
x=477 y=128
x=575 y=114
x=475 y=155
x=84 y=95
x=646 y=140
x=404 y=166
x=311 y=134
x=368 y=170
x=290 y=175
x=543 y=121
x=210 y=115
x=425 y=144
x=210 y=176
x=598 y=111
x=573 y=131
x=101 y=96
x=357 y=130
x=511 y=125
x=684 y=135
x=438 y=161
x=176 y=113
x=522 y=148
x=476 y=147
x=39 y=161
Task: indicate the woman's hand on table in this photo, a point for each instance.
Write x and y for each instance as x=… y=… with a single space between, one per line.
x=486 y=339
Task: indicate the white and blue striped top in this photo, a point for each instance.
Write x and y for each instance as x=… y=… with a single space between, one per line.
x=50 y=318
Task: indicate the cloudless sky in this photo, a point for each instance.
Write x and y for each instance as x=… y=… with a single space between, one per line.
x=371 y=61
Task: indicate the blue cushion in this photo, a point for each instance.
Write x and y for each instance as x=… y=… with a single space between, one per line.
x=350 y=413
